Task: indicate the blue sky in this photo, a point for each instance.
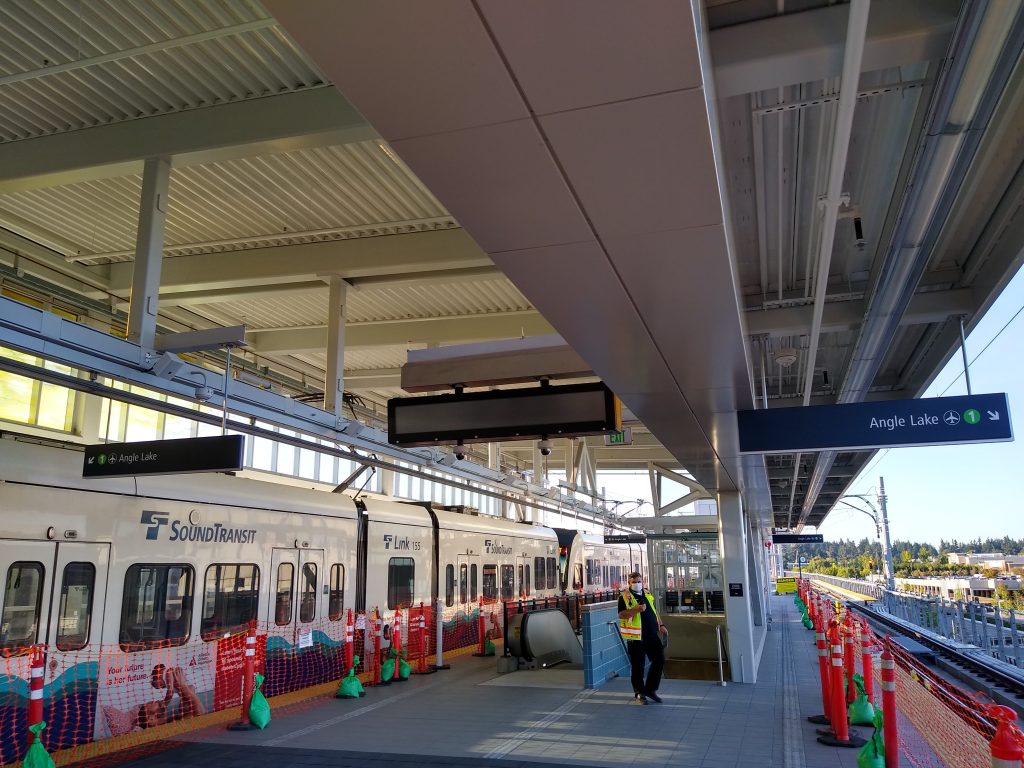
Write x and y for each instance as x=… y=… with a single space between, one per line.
x=952 y=492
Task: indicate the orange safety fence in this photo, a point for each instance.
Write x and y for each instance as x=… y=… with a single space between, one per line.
x=109 y=698
x=938 y=724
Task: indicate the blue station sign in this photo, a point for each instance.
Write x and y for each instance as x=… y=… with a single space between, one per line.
x=883 y=424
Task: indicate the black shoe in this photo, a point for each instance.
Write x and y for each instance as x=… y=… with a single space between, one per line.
x=640 y=698
x=653 y=697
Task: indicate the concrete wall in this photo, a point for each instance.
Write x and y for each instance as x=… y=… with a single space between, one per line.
x=603 y=654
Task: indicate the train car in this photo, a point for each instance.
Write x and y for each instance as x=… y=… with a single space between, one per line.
x=130 y=582
x=590 y=565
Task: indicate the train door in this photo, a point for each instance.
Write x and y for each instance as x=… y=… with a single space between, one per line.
x=78 y=596
x=523 y=586
x=296 y=602
x=28 y=568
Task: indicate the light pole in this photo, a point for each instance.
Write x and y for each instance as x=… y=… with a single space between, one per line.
x=881 y=526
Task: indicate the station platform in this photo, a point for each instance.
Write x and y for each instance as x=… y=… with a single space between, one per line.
x=471 y=716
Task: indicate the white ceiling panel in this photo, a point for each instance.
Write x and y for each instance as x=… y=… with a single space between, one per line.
x=503 y=179
x=426 y=83
x=643 y=165
x=570 y=54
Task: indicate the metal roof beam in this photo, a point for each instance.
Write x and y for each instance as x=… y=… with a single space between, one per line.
x=839 y=316
x=403 y=255
x=315 y=117
x=806 y=47
x=445 y=330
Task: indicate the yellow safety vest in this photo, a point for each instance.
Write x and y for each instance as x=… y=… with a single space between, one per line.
x=630 y=628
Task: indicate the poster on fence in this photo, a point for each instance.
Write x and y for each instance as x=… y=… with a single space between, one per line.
x=227 y=688
x=153 y=687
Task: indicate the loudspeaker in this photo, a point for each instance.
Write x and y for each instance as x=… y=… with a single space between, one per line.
x=168 y=366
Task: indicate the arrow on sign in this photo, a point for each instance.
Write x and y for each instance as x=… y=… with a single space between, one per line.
x=92 y=459
x=993 y=415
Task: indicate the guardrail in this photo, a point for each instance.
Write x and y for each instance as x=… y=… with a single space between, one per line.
x=997 y=632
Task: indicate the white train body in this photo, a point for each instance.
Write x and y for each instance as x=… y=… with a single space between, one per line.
x=117 y=576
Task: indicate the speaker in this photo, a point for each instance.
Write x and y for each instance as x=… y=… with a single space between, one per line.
x=167 y=366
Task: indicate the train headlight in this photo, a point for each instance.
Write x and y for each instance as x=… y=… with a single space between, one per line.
x=51 y=533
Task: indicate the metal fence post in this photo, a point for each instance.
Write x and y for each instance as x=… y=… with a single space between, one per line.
x=1014 y=637
x=1000 y=654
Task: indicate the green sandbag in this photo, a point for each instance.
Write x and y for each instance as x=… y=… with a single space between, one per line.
x=861 y=711
x=37 y=757
x=872 y=754
x=387 y=670
x=259 y=707
x=807 y=622
x=350 y=687
x=404 y=670
x=488 y=648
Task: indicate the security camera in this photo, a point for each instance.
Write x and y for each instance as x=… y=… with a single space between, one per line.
x=545 y=447
x=460 y=451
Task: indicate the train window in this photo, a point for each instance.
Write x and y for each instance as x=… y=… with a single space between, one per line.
x=156 y=610
x=551 y=571
x=538 y=572
x=490 y=582
x=230 y=597
x=283 y=603
x=577 y=576
x=463 y=583
x=526 y=581
x=449 y=585
x=401 y=579
x=472 y=583
x=23 y=601
x=307 y=593
x=508 y=582
x=590 y=571
x=336 y=593
x=75 y=610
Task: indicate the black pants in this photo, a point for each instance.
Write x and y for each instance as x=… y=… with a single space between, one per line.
x=639 y=652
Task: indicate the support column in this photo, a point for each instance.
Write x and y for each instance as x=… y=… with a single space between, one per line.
x=732 y=536
x=334 y=378
x=494 y=456
x=149 y=251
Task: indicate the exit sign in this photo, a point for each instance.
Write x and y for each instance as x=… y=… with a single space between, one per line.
x=625 y=437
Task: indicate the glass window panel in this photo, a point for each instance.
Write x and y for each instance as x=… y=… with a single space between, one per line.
x=336 y=594
x=23 y=599
x=551 y=571
x=143 y=424
x=307 y=464
x=508 y=582
x=285 y=456
x=401 y=581
x=56 y=407
x=526 y=581
x=283 y=602
x=328 y=472
x=490 y=582
x=229 y=599
x=307 y=608
x=449 y=585
x=262 y=454
x=472 y=583
x=15 y=396
x=74 y=614
x=463 y=583
x=538 y=572
x=156 y=610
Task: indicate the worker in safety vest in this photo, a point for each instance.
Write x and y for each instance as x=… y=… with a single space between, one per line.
x=640 y=628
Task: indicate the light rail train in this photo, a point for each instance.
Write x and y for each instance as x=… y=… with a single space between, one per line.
x=122 y=578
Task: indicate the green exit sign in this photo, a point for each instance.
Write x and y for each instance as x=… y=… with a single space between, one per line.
x=625 y=437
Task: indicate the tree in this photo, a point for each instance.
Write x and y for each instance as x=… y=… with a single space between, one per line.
x=905 y=556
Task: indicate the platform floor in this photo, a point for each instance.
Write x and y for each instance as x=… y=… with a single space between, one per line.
x=470 y=716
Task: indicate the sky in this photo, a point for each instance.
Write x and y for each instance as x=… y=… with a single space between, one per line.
x=940 y=492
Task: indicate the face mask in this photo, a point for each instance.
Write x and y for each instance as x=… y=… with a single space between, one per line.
x=637 y=587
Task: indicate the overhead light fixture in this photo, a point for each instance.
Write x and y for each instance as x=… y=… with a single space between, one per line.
x=787 y=356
